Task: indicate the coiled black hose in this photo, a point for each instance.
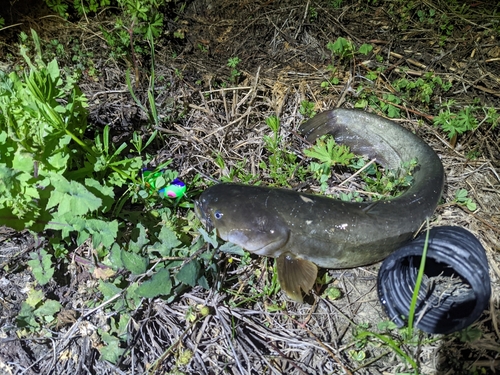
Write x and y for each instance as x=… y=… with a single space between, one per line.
x=456 y=286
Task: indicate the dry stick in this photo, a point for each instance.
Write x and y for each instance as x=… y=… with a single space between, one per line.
x=158 y=362
x=329 y=351
x=478 y=218
x=193 y=106
x=227 y=89
x=226 y=111
x=418 y=113
x=411 y=61
x=324 y=346
x=225 y=126
x=347 y=86
x=269 y=335
x=303 y=19
x=358 y=172
x=286 y=358
x=252 y=91
x=229 y=341
x=70 y=332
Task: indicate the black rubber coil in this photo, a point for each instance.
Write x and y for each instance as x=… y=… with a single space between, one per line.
x=456 y=286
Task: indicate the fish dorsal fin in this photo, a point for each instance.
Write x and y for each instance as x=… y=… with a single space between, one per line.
x=295 y=275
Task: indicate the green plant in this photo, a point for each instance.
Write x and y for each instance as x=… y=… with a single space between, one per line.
x=306 y=109
x=329 y=154
x=37 y=312
x=56 y=178
x=336 y=4
x=151 y=111
x=82 y=7
x=235 y=73
x=390 y=105
x=461 y=197
x=344 y=49
x=140 y=20
x=455 y=124
x=282 y=164
x=313 y=13
x=422 y=88
x=388 y=333
x=388 y=182
x=381 y=183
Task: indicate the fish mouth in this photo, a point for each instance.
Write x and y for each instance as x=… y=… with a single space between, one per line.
x=202 y=216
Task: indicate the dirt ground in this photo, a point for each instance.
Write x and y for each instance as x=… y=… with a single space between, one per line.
x=284 y=59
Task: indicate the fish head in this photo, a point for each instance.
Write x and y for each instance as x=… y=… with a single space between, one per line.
x=239 y=215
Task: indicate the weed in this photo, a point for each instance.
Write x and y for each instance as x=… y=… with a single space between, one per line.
x=235 y=73
x=422 y=88
x=344 y=50
x=202 y=48
x=455 y=124
x=140 y=20
x=306 y=109
x=382 y=183
x=389 y=104
x=389 y=334
x=151 y=111
x=55 y=178
x=389 y=182
x=461 y=197
x=329 y=154
x=36 y=313
x=282 y=164
x=336 y=4
x=313 y=14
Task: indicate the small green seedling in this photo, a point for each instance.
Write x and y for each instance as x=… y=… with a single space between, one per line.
x=461 y=197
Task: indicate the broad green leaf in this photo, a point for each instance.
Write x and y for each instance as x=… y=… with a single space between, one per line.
x=231 y=248
x=112 y=351
x=26 y=317
x=115 y=257
x=35 y=296
x=330 y=153
x=365 y=48
x=106 y=193
x=72 y=197
x=159 y=284
x=120 y=327
x=189 y=273
x=103 y=233
x=210 y=238
x=133 y=262
x=58 y=161
x=108 y=290
x=142 y=240
x=23 y=162
x=167 y=241
x=41 y=265
x=48 y=308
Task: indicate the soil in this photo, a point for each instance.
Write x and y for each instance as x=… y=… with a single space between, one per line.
x=205 y=113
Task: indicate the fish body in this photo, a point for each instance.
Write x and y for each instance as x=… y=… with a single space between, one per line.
x=304 y=230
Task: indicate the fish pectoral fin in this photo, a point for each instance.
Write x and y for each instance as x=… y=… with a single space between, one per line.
x=295 y=275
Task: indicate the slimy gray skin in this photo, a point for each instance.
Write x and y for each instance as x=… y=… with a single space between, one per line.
x=304 y=230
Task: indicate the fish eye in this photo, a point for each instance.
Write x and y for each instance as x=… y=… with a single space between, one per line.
x=218 y=215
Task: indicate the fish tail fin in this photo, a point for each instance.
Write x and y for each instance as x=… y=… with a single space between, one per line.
x=295 y=275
